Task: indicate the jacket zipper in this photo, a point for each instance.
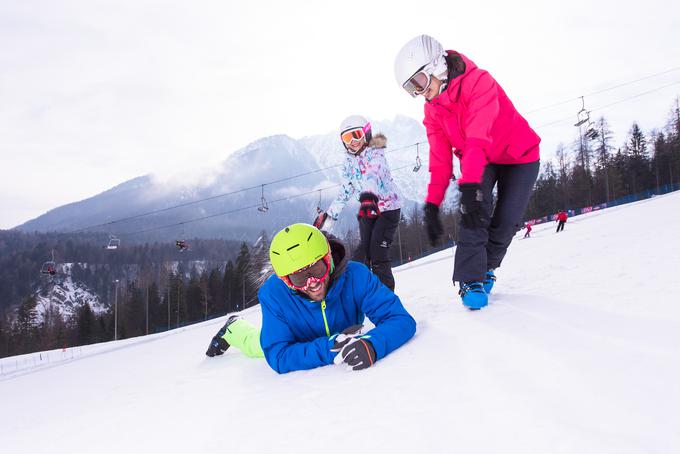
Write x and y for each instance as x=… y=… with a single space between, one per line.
x=325 y=321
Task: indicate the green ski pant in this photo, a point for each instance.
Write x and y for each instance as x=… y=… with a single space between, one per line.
x=246 y=337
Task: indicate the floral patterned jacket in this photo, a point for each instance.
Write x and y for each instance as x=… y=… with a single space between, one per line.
x=368 y=171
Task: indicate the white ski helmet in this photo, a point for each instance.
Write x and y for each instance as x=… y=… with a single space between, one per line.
x=418 y=53
x=356 y=122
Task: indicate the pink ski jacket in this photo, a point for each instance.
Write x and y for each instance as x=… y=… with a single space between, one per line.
x=475 y=120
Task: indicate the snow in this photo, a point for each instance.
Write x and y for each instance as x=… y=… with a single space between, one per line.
x=61 y=294
x=577 y=352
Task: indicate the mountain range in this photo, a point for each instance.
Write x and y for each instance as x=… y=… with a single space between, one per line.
x=269 y=183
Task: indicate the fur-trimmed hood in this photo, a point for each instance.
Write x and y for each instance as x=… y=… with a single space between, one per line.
x=378 y=141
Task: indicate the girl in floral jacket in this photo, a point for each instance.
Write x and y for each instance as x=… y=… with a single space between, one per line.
x=366 y=174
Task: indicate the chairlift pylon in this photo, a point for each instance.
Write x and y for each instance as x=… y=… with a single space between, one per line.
x=264 y=207
x=419 y=163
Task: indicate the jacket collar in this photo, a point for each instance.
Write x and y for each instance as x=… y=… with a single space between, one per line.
x=452 y=91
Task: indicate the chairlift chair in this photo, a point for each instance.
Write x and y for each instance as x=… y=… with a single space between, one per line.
x=49 y=268
x=419 y=163
x=113 y=243
x=182 y=245
x=591 y=131
x=583 y=116
x=264 y=207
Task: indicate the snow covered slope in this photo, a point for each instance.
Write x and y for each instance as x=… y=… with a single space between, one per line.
x=578 y=352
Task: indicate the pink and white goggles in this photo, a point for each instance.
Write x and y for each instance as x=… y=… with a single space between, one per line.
x=419 y=82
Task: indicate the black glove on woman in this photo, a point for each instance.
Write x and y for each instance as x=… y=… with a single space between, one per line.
x=432 y=223
x=471 y=209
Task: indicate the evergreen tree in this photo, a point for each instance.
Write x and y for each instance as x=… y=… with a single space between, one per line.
x=603 y=149
x=243 y=287
x=216 y=299
x=229 y=284
x=194 y=301
x=156 y=312
x=4 y=337
x=26 y=326
x=27 y=316
x=133 y=316
x=86 y=326
x=638 y=163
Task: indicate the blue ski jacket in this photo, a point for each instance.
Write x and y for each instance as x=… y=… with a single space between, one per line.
x=296 y=331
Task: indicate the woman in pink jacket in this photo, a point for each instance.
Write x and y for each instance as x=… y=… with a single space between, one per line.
x=467 y=114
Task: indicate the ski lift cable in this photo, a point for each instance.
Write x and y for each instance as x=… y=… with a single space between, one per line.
x=603 y=90
x=571 y=117
x=226 y=194
x=638 y=95
x=149 y=213
x=236 y=210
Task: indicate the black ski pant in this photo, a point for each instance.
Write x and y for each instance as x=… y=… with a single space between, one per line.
x=481 y=248
x=560 y=226
x=374 y=248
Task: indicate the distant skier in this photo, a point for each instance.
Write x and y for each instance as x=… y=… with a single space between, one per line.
x=313 y=309
x=367 y=174
x=561 y=219
x=528 y=232
x=467 y=114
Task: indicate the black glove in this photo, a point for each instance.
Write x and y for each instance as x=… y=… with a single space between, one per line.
x=369 y=205
x=320 y=220
x=341 y=339
x=432 y=222
x=218 y=345
x=471 y=209
x=358 y=353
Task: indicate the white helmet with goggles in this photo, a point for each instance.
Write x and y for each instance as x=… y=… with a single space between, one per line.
x=416 y=63
x=355 y=128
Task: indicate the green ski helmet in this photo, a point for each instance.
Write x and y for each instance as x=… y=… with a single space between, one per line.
x=295 y=247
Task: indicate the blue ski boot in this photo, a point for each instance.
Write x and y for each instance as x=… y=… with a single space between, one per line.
x=489 y=280
x=473 y=295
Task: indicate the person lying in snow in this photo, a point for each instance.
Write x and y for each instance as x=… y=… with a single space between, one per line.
x=313 y=309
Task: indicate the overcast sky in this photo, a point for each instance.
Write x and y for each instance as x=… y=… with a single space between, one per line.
x=93 y=93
